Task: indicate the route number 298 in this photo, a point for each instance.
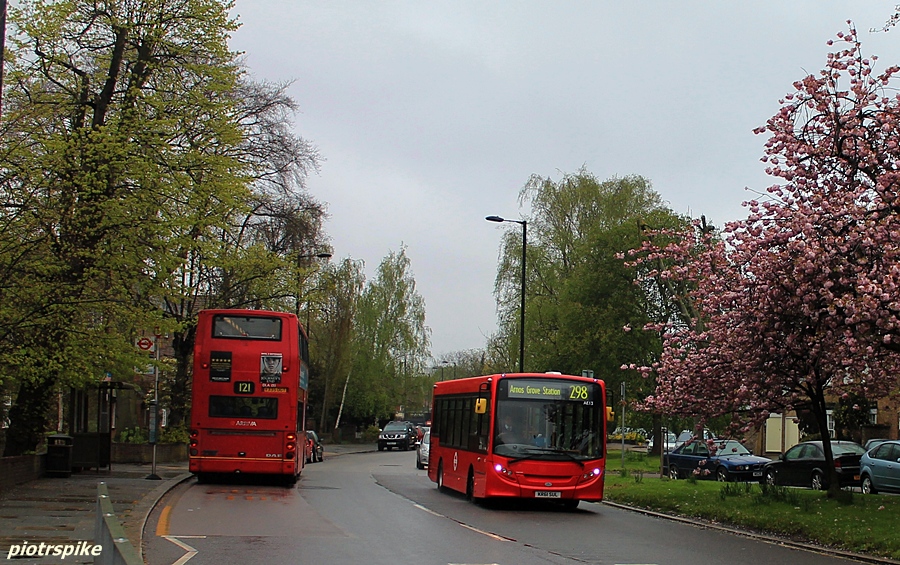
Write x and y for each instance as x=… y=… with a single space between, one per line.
x=578 y=392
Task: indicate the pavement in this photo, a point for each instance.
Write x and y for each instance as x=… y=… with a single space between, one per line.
x=63 y=510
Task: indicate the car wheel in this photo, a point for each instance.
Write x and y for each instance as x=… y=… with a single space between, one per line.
x=380 y=447
x=722 y=475
x=771 y=477
x=673 y=473
x=419 y=463
x=817 y=482
x=867 y=486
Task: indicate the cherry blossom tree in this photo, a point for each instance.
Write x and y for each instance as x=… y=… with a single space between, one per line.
x=800 y=302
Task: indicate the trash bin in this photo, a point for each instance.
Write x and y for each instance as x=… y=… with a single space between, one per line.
x=59 y=456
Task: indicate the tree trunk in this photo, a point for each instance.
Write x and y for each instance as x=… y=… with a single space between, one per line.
x=180 y=393
x=658 y=440
x=819 y=408
x=28 y=416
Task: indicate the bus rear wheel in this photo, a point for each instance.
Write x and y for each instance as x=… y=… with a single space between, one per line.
x=440 y=477
x=470 y=486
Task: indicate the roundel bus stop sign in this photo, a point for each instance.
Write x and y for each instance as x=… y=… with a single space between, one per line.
x=147 y=346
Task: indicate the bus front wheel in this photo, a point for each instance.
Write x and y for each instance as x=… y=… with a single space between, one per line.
x=570 y=504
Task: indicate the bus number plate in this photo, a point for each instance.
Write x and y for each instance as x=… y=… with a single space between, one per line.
x=547 y=494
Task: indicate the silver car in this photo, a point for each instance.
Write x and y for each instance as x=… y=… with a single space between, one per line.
x=879 y=468
x=422 y=451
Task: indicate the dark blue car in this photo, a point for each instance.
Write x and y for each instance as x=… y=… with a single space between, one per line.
x=721 y=459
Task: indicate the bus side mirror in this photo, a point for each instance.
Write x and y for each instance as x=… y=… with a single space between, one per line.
x=480 y=405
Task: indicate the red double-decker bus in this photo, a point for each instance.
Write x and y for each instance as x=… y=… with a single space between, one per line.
x=251 y=374
x=529 y=435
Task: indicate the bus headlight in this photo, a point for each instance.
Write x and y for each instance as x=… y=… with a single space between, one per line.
x=591 y=474
x=503 y=470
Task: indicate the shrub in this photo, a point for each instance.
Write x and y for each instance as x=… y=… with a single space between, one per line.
x=173 y=434
x=132 y=435
x=371 y=434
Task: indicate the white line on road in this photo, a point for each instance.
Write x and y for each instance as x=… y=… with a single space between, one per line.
x=190 y=551
x=488 y=534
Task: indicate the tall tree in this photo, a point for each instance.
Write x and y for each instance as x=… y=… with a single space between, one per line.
x=800 y=300
x=391 y=340
x=331 y=335
x=579 y=295
x=109 y=110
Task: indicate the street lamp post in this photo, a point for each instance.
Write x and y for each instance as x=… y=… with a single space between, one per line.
x=524 y=225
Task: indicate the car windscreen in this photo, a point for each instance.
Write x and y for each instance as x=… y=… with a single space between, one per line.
x=393 y=427
x=847 y=449
x=731 y=448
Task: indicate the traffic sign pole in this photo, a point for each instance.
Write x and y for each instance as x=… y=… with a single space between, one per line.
x=154 y=416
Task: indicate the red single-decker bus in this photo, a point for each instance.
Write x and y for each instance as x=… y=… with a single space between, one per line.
x=250 y=381
x=528 y=435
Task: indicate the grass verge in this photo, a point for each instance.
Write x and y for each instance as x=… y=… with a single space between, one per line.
x=862 y=524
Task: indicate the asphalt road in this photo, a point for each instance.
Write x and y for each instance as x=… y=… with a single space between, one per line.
x=376 y=508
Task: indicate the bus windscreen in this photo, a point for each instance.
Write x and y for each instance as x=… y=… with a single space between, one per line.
x=243 y=407
x=246 y=327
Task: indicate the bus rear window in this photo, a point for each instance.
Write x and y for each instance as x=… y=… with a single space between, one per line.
x=247 y=327
x=243 y=407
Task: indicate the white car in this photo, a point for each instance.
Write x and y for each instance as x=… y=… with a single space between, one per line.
x=422 y=451
x=669 y=444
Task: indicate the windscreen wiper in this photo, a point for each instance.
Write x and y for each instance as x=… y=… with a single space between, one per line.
x=547 y=451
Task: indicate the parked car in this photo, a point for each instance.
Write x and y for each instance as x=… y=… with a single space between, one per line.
x=687 y=435
x=401 y=435
x=723 y=460
x=314 y=450
x=879 y=468
x=804 y=465
x=422 y=451
x=668 y=444
x=874 y=443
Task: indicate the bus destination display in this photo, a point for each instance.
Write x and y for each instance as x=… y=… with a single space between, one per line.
x=549 y=390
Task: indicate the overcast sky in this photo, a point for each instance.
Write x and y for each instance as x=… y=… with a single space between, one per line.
x=432 y=115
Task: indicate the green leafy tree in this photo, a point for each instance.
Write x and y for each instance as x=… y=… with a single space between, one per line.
x=331 y=335
x=110 y=113
x=391 y=341
x=579 y=295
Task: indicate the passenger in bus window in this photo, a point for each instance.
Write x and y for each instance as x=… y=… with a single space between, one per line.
x=538 y=440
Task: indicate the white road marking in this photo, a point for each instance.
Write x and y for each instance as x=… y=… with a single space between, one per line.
x=190 y=551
